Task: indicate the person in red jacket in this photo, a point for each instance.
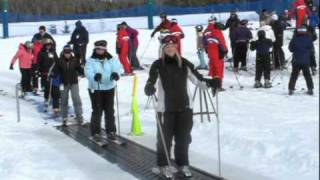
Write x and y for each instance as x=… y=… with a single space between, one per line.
x=301 y=11
x=164 y=25
x=37 y=46
x=123 y=43
x=176 y=31
x=216 y=49
x=25 y=57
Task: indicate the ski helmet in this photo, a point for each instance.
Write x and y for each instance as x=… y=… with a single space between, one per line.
x=199 y=28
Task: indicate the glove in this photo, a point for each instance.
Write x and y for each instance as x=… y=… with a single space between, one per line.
x=11 y=67
x=98 y=77
x=149 y=90
x=213 y=83
x=114 y=76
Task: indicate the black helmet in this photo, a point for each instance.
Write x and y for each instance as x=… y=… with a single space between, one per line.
x=199 y=28
x=163 y=15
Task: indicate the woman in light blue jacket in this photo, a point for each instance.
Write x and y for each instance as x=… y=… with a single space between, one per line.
x=102 y=70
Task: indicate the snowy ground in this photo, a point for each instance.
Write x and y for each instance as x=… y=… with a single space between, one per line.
x=264 y=133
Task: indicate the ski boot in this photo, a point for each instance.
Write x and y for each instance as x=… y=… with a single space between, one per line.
x=243 y=68
x=64 y=122
x=45 y=106
x=235 y=70
x=267 y=84
x=310 y=92
x=184 y=171
x=290 y=92
x=166 y=171
x=111 y=136
x=257 y=84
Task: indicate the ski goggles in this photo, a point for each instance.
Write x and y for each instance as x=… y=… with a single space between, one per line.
x=170 y=39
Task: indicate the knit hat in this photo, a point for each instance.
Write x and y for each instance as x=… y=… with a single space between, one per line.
x=42 y=28
x=67 y=49
x=101 y=44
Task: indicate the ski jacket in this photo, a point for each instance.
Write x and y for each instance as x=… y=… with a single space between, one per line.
x=123 y=40
x=25 y=58
x=262 y=46
x=69 y=70
x=133 y=34
x=79 y=37
x=278 y=28
x=37 y=46
x=46 y=59
x=232 y=23
x=269 y=33
x=105 y=67
x=173 y=88
x=38 y=37
x=176 y=30
x=301 y=46
x=314 y=20
x=166 y=24
x=242 y=34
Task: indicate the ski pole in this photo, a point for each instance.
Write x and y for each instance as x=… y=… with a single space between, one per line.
x=145 y=49
x=161 y=132
x=218 y=134
x=18 y=102
x=118 y=116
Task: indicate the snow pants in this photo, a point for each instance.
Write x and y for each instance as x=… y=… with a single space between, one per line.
x=77 y=105
x=102 y=101
x=177 y=126
x=133 y=55
x=80 y=53
x=295 y=73
x=263 y=66
x=240 y=54
x=278 y=56
x=26 y=79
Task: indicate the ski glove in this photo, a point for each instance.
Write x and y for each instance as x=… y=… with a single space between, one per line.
x=149 y=90
x=114 y=76
x=213 y=83
x=11 y=67
x=98 y=77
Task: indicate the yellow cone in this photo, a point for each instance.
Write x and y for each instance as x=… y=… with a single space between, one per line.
x=136 y=128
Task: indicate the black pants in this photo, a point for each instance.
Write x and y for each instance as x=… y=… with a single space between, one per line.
x=313 y=62
x=26 y=79
x=278 y=56
x=233 y=46
x=133 y=55
x=175 y=125
x=102 y=101
x=55 y=93
x=295 y=73
x=35 y=81
x=263 y=66
x=240 y=54
x=80 y=53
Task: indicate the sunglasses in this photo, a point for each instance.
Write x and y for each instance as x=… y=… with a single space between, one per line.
x=169 y=39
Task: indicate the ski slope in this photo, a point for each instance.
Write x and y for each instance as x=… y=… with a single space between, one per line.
x=265 y=134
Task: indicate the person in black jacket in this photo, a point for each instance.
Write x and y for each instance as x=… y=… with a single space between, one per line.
x=47 y=60
x=263 y=61
x=301 y=46
x=42 y=35
x=232 y=23
x=278 y=54
x=69 y=69
x=79 y=40
x=174 y=104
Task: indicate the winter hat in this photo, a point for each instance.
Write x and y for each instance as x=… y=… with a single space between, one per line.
x=243 y=22
x=67 y=49
x=174 y=20
x=124 y=23
x=261 y=34
x=47 y=41
x=169 y=39
x=163 y=15
x=78 y=24
x=274 y=17
x=199 y=28
x=42 y=28
x=101 y=44
x=212 y=19
x=28 y=44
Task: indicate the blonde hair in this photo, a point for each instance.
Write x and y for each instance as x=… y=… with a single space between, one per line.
x=179 y=59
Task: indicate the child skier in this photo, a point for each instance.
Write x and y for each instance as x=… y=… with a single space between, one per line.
x=263 y=61
x=25 y=57
x=200 y=47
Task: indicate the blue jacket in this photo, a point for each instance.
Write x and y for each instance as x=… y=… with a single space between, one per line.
x=242 y=34
x=301 y=47
x=106 y=67
x=314 y=20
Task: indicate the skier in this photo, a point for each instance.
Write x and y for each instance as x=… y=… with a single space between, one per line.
x=176 y=30
x=265 y=17
x=263 y=61
x=79 y=40
x=174 y=107
x=123 y=42
x=47 y=59
x=42 y=34
x=286 y=18
x=216 y=49
x=102 y=70
x=69 y=69
x=301 y=46
x=278 y=54
x=301 y=12
x=232 y=23
x=200 y=47
x=242 y=36
x=25 y=57
x=133 y=46
x=314 y=18
x=35 y=66
x=164 y=25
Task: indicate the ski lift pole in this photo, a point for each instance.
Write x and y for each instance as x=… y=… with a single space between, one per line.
x=18 y=102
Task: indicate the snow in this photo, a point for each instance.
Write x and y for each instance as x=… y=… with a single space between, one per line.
x=265 y=134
